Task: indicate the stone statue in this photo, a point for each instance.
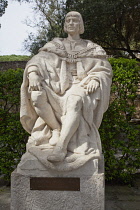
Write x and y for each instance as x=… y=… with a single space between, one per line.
x=65 y=92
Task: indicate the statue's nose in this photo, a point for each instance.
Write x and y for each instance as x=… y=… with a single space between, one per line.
x=71 y=22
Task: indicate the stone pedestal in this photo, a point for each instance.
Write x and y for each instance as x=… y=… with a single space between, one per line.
x=90 y=196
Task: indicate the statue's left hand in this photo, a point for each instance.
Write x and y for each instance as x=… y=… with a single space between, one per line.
x=91 y=86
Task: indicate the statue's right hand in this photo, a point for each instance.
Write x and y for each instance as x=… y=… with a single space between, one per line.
x=34 y=82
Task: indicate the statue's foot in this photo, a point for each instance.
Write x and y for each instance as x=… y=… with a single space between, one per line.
x=31 y=140
x=38 y=142
x=55 y=137
x=58 y=155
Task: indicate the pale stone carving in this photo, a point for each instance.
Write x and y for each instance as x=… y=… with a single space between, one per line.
x=65 y=92
x=90 y=196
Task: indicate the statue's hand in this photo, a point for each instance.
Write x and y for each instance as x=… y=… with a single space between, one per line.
x=91 y=86
x=34 y=82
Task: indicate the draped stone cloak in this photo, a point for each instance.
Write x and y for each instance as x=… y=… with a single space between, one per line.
x=54 y=66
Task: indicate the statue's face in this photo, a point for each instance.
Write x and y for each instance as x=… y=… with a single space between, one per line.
x=72 y=24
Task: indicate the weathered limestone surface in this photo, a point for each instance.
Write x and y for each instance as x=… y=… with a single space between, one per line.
x=90 y=196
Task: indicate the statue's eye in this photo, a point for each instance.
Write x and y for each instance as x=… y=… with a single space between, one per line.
x=74 y=20
x=68 y=20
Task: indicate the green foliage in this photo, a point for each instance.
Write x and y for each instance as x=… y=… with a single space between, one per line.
x=12 y=135
x=112 y=24
x=120 y=137
x=14 y=58
x=49 y=24
x=3 y=5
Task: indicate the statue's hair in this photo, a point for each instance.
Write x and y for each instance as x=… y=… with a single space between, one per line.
x=75 y=14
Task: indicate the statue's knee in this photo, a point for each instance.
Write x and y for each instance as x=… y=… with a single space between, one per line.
x=74 y=103
x=38 y=97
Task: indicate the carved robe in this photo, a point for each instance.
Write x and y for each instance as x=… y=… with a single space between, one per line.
x=64 y=74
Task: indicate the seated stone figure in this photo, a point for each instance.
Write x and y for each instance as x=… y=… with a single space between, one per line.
x=65 y=92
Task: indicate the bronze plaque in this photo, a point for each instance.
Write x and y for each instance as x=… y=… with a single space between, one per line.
x=55 y=183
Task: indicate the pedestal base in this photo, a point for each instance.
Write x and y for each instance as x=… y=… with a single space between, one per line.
x=90 y=196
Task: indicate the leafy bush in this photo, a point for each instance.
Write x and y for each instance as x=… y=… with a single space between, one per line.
x=14 y=58
x=120 y=137
x=12 y=135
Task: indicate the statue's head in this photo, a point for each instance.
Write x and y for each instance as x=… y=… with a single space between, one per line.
x=76 y=15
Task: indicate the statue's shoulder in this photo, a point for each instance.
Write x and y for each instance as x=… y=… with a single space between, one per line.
x=97 y=48
x=52 y=45
x=58 y=42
